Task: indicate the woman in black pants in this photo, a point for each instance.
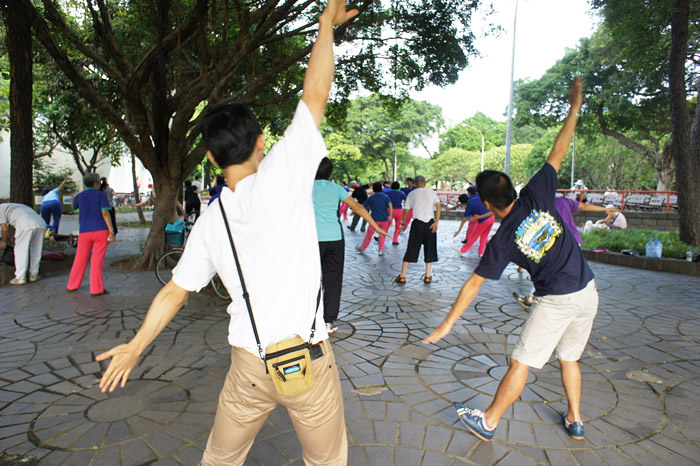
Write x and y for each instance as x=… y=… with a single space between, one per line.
x=327 y=198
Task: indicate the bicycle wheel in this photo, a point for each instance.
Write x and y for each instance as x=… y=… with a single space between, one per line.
x=165 y=265
x=219 y=288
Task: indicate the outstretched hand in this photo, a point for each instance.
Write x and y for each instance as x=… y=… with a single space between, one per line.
x=438 y=334
x=336 y=12
x=576 y=93
x=124 y=358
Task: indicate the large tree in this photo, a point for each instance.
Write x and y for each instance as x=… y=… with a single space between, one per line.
x=663 y=39
x=18 y=39
x=165 y=58
x=383 y=128
x=620 y=102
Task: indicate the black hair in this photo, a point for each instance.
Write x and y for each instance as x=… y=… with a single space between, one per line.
x=45 y=190
x=220 y=180
x=230 y=133
x=325 y=169
x=496 y=188
x=188 y=183
x=395 y=185
x=463 y=198
x=410 y=179
x=103 y=183
x=377 y=186
x=387 y=182
x=471 y=190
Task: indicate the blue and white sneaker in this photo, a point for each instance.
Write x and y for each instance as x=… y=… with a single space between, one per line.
x=575 y=428
x=473 y=419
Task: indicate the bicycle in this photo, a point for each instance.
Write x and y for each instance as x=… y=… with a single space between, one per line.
x=169 y=259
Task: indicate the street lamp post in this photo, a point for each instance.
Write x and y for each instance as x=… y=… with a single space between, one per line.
x=482 y=144
x=509 y=128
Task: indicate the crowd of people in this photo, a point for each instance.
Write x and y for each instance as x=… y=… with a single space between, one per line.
x=279 y=331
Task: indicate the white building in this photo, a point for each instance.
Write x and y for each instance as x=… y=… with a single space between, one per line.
x=120 y=177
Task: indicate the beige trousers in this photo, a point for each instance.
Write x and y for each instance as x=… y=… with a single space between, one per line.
x=249 y=396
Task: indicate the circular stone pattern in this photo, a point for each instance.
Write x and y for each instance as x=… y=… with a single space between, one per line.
x=468 y=374
x=89 y=419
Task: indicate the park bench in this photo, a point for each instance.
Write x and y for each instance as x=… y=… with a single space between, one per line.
x=614 y=199
x=595 y=198
x=636 y=201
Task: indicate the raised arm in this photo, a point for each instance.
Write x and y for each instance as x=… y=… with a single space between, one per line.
x=561 y=144
x=319 y=71
x=63 y=183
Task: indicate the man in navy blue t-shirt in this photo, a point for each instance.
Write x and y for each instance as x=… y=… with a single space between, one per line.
x=533 y=236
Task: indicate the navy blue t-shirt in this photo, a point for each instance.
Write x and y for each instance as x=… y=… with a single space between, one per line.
x=377 y=204
x=534 y=237
x=397 y=198
x=476 y=207
x=91 y=202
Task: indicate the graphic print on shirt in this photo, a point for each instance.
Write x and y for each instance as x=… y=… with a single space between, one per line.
x=537 y=234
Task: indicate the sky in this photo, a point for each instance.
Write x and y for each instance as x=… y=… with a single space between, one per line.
x=545 y=29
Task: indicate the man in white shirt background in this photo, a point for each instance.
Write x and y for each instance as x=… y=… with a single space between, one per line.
x=425 y=206
x=282 y=276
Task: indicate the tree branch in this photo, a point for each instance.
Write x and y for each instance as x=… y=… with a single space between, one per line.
x=56 y=18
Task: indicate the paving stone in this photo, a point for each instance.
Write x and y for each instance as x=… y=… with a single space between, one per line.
x=378 y=344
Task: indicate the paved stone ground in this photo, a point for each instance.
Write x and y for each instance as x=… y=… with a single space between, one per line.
x=641 y=371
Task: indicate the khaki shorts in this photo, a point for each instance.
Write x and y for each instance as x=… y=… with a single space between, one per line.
x=557 y=322
x=248 y=396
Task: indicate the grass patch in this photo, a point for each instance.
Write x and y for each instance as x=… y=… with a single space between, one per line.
x=636 y=239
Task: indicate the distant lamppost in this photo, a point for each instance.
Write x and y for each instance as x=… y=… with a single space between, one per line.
x=509 y=128
x=393 y=144
x=482 y=144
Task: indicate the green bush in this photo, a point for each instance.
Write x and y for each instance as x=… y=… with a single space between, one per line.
x=617 y=240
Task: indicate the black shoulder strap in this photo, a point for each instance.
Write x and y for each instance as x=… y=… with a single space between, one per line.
x=246 y=296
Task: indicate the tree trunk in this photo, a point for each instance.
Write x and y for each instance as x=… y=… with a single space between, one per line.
x=687 y=163
x=163 y=213
x=19 y=47
x=137 y=197
x=665 y=171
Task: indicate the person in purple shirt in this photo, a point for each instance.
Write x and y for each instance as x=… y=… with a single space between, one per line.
x=533 y=236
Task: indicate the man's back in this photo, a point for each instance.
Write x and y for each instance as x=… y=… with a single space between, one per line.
x=272 y=264
x=533 y=236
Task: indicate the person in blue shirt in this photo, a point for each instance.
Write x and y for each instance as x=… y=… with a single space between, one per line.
x=379 y=206
x=96 y=232
x=397 y=199
x=410 y=186
x=51 y=206
x=533 y=235
x=482 y=218
x=328 y=197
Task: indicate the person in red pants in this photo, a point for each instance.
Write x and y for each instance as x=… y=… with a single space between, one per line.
x=96 y=232
x=476 y=211
x=379 y=206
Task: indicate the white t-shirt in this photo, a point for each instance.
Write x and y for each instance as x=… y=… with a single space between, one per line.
x=422 y=201
x=282 y=270
x=198 y=185
x=20 y=216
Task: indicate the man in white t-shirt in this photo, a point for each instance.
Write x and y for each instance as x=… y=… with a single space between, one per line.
x=29 y=239
x=425 y=206
x=282 y=274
